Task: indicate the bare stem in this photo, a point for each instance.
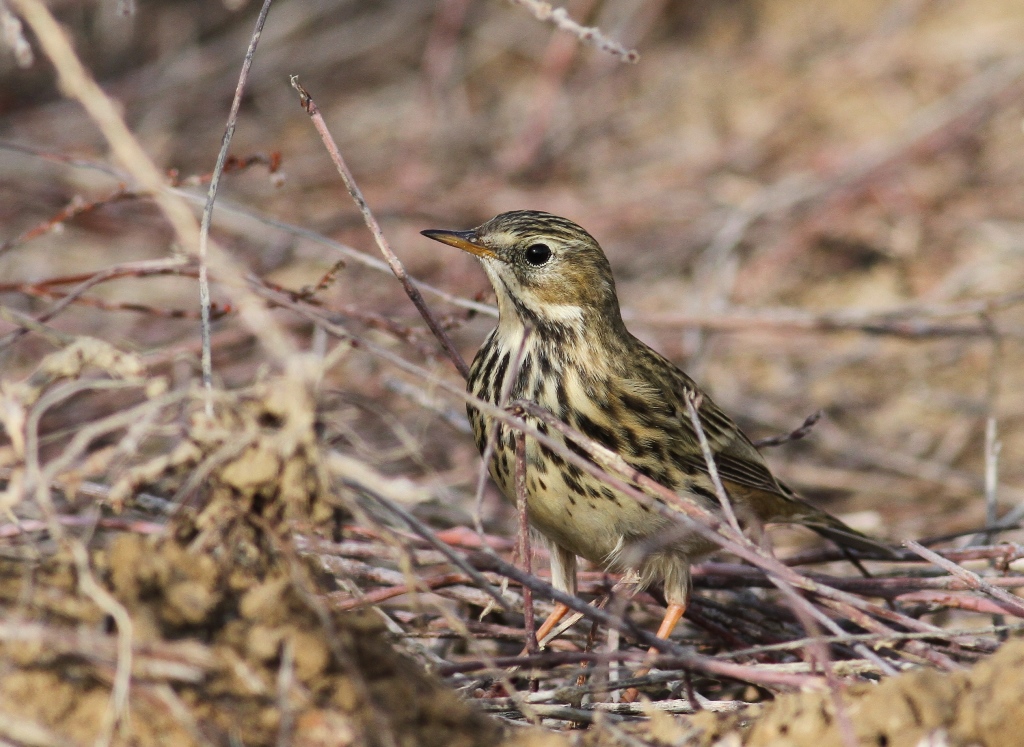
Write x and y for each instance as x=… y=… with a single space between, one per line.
x=382 y=243
x=204 y=228
x=523 y=546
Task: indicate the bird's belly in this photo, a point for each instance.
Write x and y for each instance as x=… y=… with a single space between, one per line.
x=582 y=514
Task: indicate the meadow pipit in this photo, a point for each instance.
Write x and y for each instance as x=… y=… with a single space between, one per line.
x=557 y=306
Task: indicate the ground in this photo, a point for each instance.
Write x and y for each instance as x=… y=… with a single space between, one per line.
x=808 y=206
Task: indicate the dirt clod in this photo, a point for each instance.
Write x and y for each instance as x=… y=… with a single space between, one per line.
x=983 y=706
x=229 y=642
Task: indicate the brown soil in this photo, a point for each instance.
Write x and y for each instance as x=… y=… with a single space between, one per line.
x=983 y=706
x=229 y=641
x=213 y=641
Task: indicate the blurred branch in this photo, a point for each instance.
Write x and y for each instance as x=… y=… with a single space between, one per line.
x=77 y=83
x=142 y=267
x=587 y=34
x=795 y=435
x=913 y=321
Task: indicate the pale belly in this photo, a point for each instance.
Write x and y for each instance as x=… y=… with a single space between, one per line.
x=583 y=515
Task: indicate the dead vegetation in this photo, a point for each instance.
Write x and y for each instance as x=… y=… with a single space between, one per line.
x=809 y=207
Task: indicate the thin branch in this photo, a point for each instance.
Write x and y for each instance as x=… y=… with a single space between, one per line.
x=427 y=533
x=382 y=243
x=587 y=34
x=523 y=537
x=693 y=403
x=204 y=228
x=992 y=448
x=1012 y=604
x=805 y=428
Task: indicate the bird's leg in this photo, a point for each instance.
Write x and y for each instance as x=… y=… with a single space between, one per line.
x=563 y=578
x=551 y=621
x=673 y=614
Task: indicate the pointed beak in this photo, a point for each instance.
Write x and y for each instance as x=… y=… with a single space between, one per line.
x=464 y=240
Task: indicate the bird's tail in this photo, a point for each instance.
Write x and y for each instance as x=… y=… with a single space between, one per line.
x=831 y=528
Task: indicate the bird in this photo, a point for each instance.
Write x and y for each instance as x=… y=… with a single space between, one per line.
x=559 y=317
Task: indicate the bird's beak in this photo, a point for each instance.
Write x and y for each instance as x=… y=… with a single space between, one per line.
x=465 y=240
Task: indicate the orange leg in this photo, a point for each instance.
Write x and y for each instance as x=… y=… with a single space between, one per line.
x=552 y=620
x=673 y=614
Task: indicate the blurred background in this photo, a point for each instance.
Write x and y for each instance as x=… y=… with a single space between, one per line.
x=808 y=205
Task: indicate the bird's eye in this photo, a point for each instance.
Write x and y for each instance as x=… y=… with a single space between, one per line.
x=538 y=254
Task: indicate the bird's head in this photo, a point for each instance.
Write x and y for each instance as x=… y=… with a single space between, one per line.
x=545 y=270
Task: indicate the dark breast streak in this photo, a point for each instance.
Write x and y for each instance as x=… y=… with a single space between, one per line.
x=571 y=507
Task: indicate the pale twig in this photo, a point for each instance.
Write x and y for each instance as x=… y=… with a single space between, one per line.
x=665 y=662
x=543 y=11
x=204 y=228
x=427 y=533
x=54 y=336
x=992 y=448
x=21 y=730
x=693 y=402
x=968 y=602
x=12 y=34
x=992 y=444
x=39 y=481
x=382 y=243
x=285 y=683
x=1012 y=604
x=523 y=537
x=117 y=710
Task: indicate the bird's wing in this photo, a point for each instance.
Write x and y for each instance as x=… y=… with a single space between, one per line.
x=746 y=476
x=737 y=459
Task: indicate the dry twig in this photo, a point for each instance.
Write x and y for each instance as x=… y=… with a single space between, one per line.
x=543 y=11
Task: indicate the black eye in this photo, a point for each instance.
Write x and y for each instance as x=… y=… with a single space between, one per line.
x=538 y=254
